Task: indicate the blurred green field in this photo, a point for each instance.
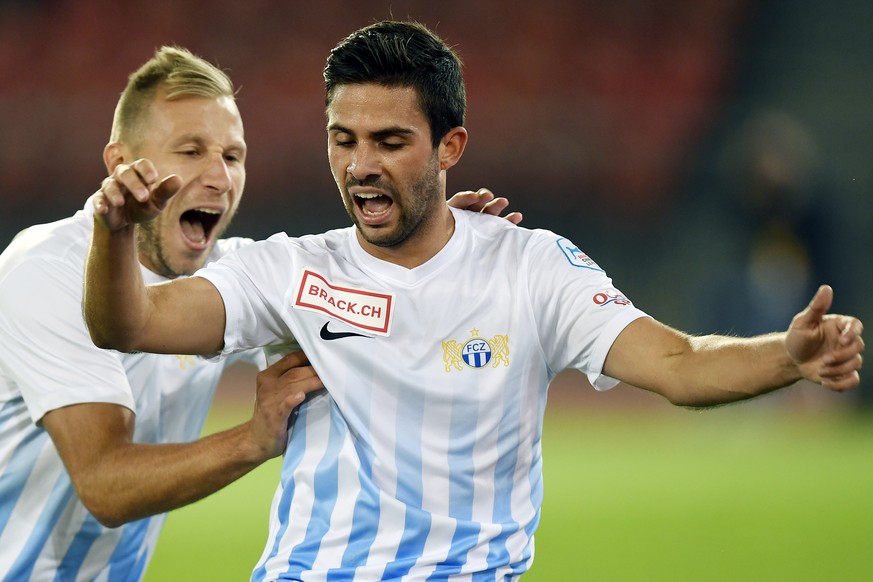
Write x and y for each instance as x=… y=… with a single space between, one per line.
x=746 y=492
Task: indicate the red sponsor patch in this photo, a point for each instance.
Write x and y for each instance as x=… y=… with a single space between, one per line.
x=610 y=296
x=366 y=310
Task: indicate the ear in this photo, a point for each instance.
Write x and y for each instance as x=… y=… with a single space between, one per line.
x=451 y=147
x=115 y=153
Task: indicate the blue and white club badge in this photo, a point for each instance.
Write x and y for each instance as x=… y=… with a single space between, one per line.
x=476 y=352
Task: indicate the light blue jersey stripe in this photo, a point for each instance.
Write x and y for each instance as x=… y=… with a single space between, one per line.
x=367 y=511
x=325 y=482
x=293 y=456
x=366 y=514
x=57 y=501
x=130 y=556
x=461 y=491
x=410 y=417
x=11 y=410
x=504 y=474
x=21 y=463
x=411 y=546
x=82 y=542
x=407 y=449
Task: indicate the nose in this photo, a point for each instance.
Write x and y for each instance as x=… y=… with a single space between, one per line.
x=216 y=176
x=364 y=163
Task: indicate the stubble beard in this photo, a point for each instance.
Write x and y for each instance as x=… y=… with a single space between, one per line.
x=150 y=246
x=152 y=252
x=416 y=210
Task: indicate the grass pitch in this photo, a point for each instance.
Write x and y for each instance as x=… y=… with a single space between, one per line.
x=746 y=492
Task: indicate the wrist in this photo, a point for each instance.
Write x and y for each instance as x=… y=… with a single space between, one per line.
x=790 y=366
x=256 y=446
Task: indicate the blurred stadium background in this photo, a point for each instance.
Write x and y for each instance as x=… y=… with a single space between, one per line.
x=712 y=155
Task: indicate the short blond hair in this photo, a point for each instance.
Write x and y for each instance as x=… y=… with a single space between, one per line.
x=177 y=71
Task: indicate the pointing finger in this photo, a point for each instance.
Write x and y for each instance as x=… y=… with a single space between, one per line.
x=166 y=189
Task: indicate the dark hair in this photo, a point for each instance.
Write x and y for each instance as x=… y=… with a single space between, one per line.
x=403 y=54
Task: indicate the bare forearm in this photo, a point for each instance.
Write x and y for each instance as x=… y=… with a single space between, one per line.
x=720 y=369
x=709 y=370
x=699 y=370
x=115 y=300
x=183 y=316
x=139 y=480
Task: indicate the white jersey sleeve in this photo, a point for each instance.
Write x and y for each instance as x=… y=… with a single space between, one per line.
x=48 y=351
x=579 y=311
x=253 y=315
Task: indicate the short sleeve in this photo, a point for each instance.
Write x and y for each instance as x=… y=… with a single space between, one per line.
x=247 y=282
x=45 y=347
x=579 y=311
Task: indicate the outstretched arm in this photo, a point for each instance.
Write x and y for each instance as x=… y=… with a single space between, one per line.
x=710 y=370
x=180 y=317
x=120 y=481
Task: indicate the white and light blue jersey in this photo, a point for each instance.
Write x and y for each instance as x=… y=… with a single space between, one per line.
x=47 y=361
x=422 y=461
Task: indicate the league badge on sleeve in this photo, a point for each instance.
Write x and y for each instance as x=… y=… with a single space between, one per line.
x=576 y=256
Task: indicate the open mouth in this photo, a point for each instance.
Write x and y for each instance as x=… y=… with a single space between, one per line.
x=373 y=205
x=198 y=224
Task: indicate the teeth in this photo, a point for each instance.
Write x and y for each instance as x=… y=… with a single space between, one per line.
x=368 y=195
x=208 y=210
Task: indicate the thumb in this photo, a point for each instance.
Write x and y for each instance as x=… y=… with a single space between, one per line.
x=818 y=305
x=166 y=189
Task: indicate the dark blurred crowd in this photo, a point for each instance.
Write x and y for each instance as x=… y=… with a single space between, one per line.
x=712 y=155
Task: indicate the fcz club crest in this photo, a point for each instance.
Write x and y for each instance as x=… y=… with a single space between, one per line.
x=476 y=352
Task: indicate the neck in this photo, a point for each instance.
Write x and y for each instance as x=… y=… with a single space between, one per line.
x=420 y=247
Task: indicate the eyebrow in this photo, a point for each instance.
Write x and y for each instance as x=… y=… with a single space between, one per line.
x=198 y=139
x=377 y=135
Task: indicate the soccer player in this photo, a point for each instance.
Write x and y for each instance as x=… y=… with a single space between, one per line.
x=96 y=445
x=435 y=331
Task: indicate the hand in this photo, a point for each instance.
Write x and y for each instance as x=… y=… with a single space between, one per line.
x=133 y=194
x=483 y=200
x=281 y=388
x=826 y=348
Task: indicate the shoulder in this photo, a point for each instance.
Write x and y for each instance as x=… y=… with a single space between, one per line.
x=539 y=248
x=313 y=244
x=276 y=257
x=41 y=275
x=494 y=230
x=226 y=246
x=46 y=250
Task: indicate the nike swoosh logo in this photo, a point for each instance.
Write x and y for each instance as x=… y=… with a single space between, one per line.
x=328 y=335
